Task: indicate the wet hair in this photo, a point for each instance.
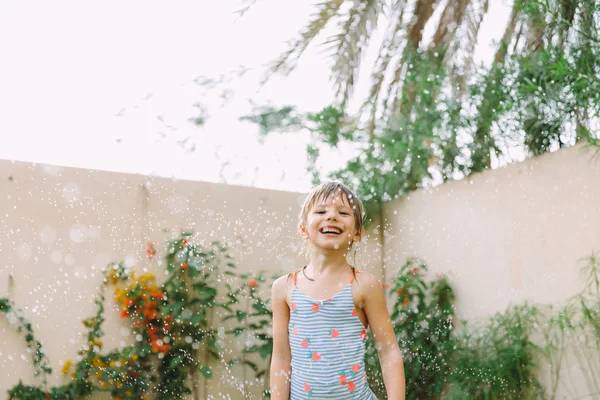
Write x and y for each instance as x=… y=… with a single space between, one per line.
x=325 y=191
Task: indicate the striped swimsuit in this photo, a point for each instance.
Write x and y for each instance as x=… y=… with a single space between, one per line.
x=327 y=341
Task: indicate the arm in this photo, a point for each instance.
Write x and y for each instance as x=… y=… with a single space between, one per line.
x=281 y=358
x=389 y=353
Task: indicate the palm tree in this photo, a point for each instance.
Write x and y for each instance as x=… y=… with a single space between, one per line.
x=431 y=110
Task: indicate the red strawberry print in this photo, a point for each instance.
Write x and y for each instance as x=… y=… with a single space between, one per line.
x=307 y=387
x=343 y=380
x=356 y=368
x=293 y=308
x=305 y=343
x=354 y=313
x=334 y=333
x=363 y=334
x=351 y=387
x=314 y=356
x=328 y=299
x=295 y=330
x=315 y=307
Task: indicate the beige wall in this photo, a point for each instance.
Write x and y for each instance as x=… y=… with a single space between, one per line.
x=60 y=226
x=506 y=235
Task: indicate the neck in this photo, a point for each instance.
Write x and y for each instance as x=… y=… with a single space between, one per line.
x=326 y=262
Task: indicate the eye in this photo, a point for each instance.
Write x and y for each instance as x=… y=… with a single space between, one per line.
x=344 y=213
x=320 y=212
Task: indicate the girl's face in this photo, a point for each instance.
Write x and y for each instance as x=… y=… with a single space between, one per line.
x=330 y=224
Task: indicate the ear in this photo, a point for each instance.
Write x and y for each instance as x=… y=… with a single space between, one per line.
x=358 y=236
x=303 y=232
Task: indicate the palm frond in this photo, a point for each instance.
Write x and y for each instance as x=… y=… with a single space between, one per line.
x=473 y=18
x=246 y=5
x=450 y=21
x=509 y=32
x=289 y=59
x=349 y=43
x=422 y=14
x=390 y=45
x=535 y=28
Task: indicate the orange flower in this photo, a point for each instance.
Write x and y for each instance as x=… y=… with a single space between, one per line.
x=405 y=302
x=253 y=283
x=66 y=367
x=184 y=265
x=124 y=313
x=158 y=294
x=184 y=242
x=399 y=291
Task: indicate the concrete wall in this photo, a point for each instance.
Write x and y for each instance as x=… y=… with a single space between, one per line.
x=60 y=226
x=515 y=234
x=506 y=235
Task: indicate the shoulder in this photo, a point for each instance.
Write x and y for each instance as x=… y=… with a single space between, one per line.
x=281 y=287
x=367 y=283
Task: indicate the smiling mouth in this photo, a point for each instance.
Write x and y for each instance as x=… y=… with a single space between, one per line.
x=331 y=231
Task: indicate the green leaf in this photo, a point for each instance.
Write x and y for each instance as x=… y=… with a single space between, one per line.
x=206 y=372
x=175 y=361
x=265 y=350
x=240 y=315
x=197 y=318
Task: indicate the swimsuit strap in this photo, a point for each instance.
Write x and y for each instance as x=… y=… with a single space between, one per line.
x=295 y=275
x=356 y=272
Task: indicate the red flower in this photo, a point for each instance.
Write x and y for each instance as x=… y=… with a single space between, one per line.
x=150 y=251
x=124 y=313
x=253 y=283
x=399 y=291
x=184 y=265
x=184 y=242
x=405 y=302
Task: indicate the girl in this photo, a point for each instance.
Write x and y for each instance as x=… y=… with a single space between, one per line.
x=322 y=311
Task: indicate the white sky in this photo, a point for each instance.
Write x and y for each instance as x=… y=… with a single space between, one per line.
x=84 y=85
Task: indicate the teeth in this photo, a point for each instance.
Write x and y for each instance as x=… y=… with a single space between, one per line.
x=331 y=230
